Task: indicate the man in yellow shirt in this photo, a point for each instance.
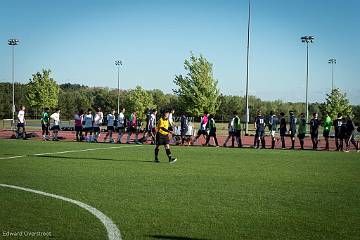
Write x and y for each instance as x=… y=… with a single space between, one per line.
x=162 y=137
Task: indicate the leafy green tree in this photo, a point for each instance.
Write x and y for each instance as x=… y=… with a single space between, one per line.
x=139 y=100
x=162 y=100
x=42 y=91
x=197 y=90
x=356 y=112
x=228 y=105
x=104 y=98
x=336 y=102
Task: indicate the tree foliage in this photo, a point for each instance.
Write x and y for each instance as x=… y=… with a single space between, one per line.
x=336 y=102
x=197 y=90
x=42 y=91
x=139 y=100
x=74 y=97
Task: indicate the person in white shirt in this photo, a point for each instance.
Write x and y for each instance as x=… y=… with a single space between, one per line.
x=172 y=122
x=110 y=126
x=98 y=120
x=171 y=119
x=150 y=128
x=56 y=124
x=21 y=123
x=121 y=125
x=88 y=125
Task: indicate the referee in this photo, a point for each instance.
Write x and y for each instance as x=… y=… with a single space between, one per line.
x=162 y=137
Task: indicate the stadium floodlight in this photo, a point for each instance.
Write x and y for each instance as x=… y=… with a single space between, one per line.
x=13 y=42
x=118 y=63
x=332 y=61
x=247 y=73
x=307 y=40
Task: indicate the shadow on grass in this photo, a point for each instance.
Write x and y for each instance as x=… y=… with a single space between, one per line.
x=173 y=237
x=96 y=159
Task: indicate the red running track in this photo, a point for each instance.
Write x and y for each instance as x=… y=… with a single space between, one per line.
x=247 y=141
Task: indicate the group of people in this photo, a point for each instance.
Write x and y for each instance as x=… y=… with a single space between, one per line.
x=87 y=126
x=343 y=127
x=45 y=124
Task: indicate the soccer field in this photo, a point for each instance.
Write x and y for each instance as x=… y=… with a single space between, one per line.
x=210 y=193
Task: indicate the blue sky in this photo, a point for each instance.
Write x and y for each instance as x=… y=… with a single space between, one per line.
x=79 y=41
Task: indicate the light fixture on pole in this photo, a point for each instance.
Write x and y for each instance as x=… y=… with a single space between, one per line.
x=13 y=42
x=307 y=40
x=332 y=61
x=118 y=63
x=247 y=73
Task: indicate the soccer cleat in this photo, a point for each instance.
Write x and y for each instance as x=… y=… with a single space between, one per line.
x=358 y=150
x=172 y=160
x=156 y=160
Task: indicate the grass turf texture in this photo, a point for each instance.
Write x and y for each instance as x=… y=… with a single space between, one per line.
x=210 y=193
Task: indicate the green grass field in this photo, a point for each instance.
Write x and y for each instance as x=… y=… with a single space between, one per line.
x=210 y=193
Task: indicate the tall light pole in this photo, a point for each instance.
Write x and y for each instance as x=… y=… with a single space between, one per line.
x=118 y=63
x=332 y=61
x=13 y=42
x=247 y=72
x=307 y=40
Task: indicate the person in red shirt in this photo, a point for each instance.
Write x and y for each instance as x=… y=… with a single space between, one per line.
x=203 y=127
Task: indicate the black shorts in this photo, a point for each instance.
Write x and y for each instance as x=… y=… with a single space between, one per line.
x=88 y=129
x=282 y=132
x=314 y=134
x=78 y=128
x=183 y=131
x=260 y=134
x=120 y=129
x=301 y=135
x=293 y=134
x=212 y=133
x=132 y=130
x=56 y=127
x=162 y=139
x=326 y=134
x=202 y=132
x=21 y=125
x=96 y=129
x=45 y=127
x=110 y=128
x=237 y=133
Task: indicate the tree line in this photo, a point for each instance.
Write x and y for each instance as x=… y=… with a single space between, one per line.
x=196 y=91
x=73 y=97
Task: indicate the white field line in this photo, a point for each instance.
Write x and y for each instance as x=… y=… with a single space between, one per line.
x=13 y=157
x=70 y=151
x=113 y=232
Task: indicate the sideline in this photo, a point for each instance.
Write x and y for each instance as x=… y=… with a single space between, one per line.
x=113 y=232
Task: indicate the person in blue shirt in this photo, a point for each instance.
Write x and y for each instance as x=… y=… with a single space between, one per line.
x=292 y=128
x=272 y=128
x=260 y=130
x=314 y=130
x=282 y=129
x=350 y=135
x=183 y=128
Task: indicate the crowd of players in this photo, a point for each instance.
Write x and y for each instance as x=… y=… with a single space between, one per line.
x=87 y=126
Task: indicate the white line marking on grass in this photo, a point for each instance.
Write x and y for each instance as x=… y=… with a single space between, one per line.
x=112 y=230
x=69 y=151
x=82 y=150
x=12 y=157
